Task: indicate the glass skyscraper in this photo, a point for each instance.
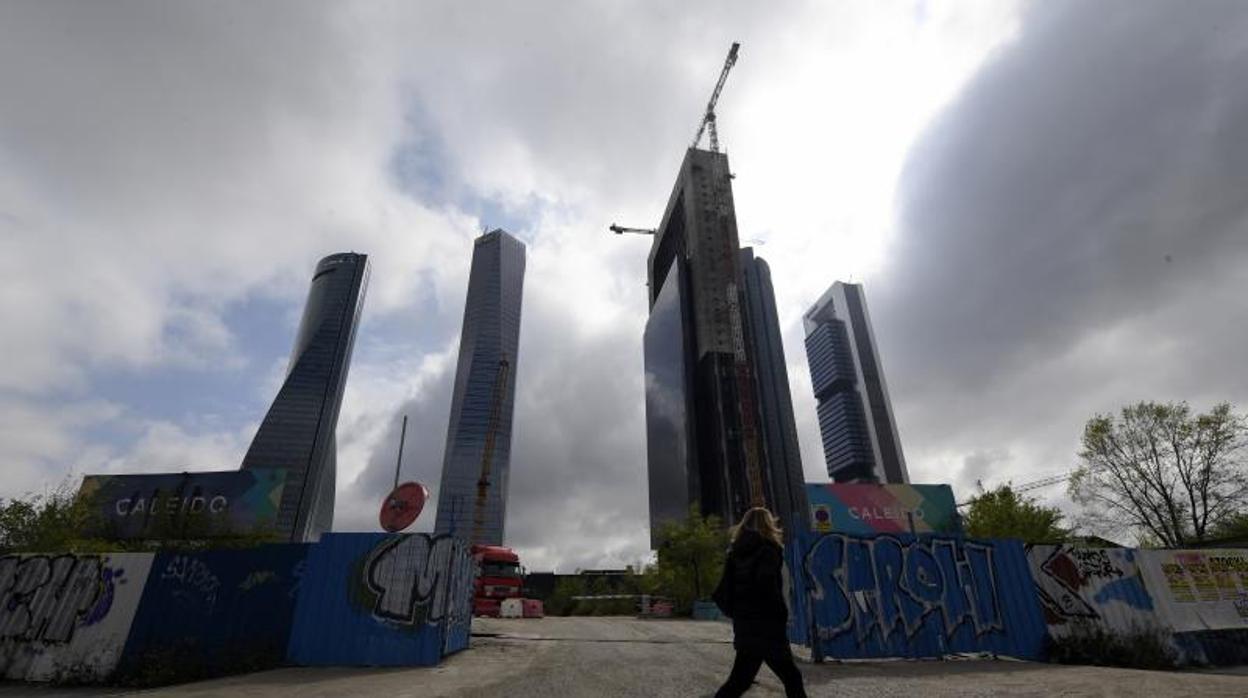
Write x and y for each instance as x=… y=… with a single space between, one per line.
x=472 y=496
x=860 y=441
x=297 y=434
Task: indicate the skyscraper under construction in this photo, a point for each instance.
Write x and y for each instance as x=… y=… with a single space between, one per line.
x=719 y=421
x=472 y=496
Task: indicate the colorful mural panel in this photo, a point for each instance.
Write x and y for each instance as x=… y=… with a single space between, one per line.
x=866 y=509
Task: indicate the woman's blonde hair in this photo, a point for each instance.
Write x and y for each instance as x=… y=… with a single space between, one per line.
x=762 y=522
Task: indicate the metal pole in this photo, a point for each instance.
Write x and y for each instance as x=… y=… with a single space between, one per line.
x=399 y=464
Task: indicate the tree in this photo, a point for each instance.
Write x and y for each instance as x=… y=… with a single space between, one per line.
x=1162 y=472
x=44 y=523
x=1234 y=527
x=691 y=558
x=1004 y=513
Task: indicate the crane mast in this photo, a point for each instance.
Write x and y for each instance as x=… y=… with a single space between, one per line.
x=487 y=451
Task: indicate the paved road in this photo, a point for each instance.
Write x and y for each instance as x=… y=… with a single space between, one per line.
x=625 y=657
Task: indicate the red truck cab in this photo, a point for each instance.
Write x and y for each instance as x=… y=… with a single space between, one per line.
x=500 y=577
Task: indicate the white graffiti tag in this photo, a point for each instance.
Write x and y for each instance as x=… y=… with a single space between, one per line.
x=420 y=579
x=42 y=598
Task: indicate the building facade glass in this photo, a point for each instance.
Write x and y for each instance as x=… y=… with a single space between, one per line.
x=472 y=495
x=860 y=440
x=297 y=434
x=670 y=457
x=787 y=482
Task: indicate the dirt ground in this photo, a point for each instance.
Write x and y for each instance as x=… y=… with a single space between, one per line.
x=627 y=657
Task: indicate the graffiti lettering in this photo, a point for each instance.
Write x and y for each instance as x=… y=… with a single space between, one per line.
x=1074 y=584
x=879 y=586
x=255 y=579
x=420 y=579
x=200 y=585
x=42 y=598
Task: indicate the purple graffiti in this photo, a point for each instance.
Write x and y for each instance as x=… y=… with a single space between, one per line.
x=110 y=578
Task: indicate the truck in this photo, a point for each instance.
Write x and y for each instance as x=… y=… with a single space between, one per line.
x=500 y=577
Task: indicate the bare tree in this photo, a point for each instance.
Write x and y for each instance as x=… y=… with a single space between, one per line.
x=1162 y=472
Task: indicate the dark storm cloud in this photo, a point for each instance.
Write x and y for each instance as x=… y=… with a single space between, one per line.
x=1072 y=234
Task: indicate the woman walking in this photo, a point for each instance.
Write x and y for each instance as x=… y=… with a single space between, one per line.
x=751 y=593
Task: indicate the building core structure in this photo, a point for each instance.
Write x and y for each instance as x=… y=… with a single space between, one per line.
x=297 y=434
x=472 y=495
x=860 y=441
x=714 y=421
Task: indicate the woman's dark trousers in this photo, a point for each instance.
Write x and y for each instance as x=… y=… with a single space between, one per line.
x=747 y=664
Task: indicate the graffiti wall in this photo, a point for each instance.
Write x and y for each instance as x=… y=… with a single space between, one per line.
x=1098 y=586
x=866 y=509
x=65 y=617
x=214 y=612
x=908 y=596
x=383 y=600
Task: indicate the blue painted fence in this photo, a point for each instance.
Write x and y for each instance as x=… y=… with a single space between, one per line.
x=214 y=612
x=906 y=596
x=383 y=600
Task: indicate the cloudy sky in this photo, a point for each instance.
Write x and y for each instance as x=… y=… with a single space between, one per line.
x=1046 y=203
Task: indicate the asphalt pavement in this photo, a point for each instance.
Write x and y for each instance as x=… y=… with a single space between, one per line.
x=616 y=656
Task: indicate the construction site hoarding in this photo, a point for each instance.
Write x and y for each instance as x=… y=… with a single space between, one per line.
x=865 y=509
x=183 y=505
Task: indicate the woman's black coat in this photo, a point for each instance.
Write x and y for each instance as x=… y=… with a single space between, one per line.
x=752 y=589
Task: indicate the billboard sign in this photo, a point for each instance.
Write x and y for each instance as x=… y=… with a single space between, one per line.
x=1199 y=589
x=864 y=509
x=184 y=505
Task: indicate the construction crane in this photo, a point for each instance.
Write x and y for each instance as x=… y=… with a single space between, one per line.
x=620 y=230
x=708 y=119
x=487 y=451
x=1026 y=486
x=707 y=125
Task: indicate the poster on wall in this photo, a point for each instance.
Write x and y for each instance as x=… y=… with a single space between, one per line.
x=864 y=509
x=1199 y=589
x=183 y=505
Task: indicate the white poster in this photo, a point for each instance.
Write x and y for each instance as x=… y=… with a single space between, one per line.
x=1198 y=589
